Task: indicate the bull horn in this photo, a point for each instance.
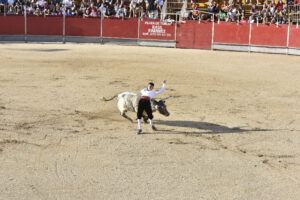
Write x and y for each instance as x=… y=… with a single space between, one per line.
x=163 y=99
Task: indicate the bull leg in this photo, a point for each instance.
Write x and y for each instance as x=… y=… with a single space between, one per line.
x=126 y=117
x=145 y=118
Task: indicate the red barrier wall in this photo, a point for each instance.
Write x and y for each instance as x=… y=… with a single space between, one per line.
x=12 y=25
x=50 y=25
x=78 y=26
x=269 y=35
x=118 y=28
x=194 y=35
x=231 y=33
x=157 y=30
x=294 y=40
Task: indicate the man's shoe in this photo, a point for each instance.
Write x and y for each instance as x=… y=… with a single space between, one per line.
x=139 y=131
x=154 y=128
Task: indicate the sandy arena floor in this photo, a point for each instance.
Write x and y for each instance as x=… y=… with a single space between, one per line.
x=233 y=132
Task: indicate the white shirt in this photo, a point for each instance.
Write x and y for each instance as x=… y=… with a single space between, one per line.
x=151 y=93
x=11 y=2
x=41 y=3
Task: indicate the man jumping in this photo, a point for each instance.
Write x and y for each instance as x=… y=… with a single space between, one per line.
x=144 y=104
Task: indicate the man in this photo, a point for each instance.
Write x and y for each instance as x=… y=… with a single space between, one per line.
x=145 y=105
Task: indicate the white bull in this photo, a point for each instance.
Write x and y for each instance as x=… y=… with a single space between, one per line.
x=128 y=101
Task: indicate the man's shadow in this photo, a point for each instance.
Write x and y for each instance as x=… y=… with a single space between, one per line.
x=210 y=127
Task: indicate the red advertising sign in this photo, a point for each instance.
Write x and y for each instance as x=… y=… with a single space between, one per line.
x=157 y=30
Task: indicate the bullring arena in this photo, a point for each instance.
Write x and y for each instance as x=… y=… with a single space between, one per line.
x=233 y=132
x=234 y=127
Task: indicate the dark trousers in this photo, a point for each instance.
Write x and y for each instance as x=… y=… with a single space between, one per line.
x=144 y=105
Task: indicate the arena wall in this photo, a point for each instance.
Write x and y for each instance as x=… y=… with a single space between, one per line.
x=190 y=34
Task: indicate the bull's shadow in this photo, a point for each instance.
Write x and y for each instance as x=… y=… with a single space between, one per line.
x=209 y=127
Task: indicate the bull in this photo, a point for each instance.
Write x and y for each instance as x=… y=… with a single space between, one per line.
x=128 y=101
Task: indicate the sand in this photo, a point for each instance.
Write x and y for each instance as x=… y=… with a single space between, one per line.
x=233 y=132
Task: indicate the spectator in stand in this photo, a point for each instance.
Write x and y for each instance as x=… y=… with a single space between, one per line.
x=37 y=12
x=272 y=9
x=68 y=12
x=241 y=10
x=82 y=9
x=52 y=8
x=86 y=14
x=19 y=11
x=98 y=4
x=108 y=3
x=74 y=9
x=213 y=9
x=264 y=13
x=102 y=10
x=92 y=10
x=279 y=5
x=116 y=8
x=133 y=8
x=40 y=4
x=160 y=4
x=10 y=2
x=10 y=10
x=85 y=3
x=30 y=9
x=232 y=13
x=254 y=12
x=225 y=8
x=195 y=12
x=46 y=10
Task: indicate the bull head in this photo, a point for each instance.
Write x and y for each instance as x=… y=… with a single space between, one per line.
x=161 y=107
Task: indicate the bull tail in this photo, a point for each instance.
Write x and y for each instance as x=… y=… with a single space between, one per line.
x=109 y=99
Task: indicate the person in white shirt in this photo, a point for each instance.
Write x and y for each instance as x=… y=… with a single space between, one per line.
x=144 y=104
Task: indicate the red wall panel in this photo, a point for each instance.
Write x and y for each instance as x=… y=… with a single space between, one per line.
x=12 y=25
x=294 y=40
x=118 y=28
x=50 y=25
x=194 y=35
x=185 y=35
x=231 y=33
x=78 y=26
x=269 y=35
x=157 y=30
x=203 y=35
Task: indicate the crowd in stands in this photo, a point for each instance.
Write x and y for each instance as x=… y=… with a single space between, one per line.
x=266 y=13
x=85 y=8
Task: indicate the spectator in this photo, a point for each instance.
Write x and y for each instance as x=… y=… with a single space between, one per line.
x=10 y=10
x=264 y=14
x=241 y=10
x=232 y=13
x=46 y=10
x=10 y=2
x=19 y=11
x=82 y=9
x=102 y=10
x=92 y=10
x=225 y=8
x=253 y=13
x=133 y=8
x=279 y=5
x=86 y=13
x=37 y=12
x=69 y=12
x=30 y=10
x=98 y=4
x=40 y=4
x=160 y=4
x=222 y=15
